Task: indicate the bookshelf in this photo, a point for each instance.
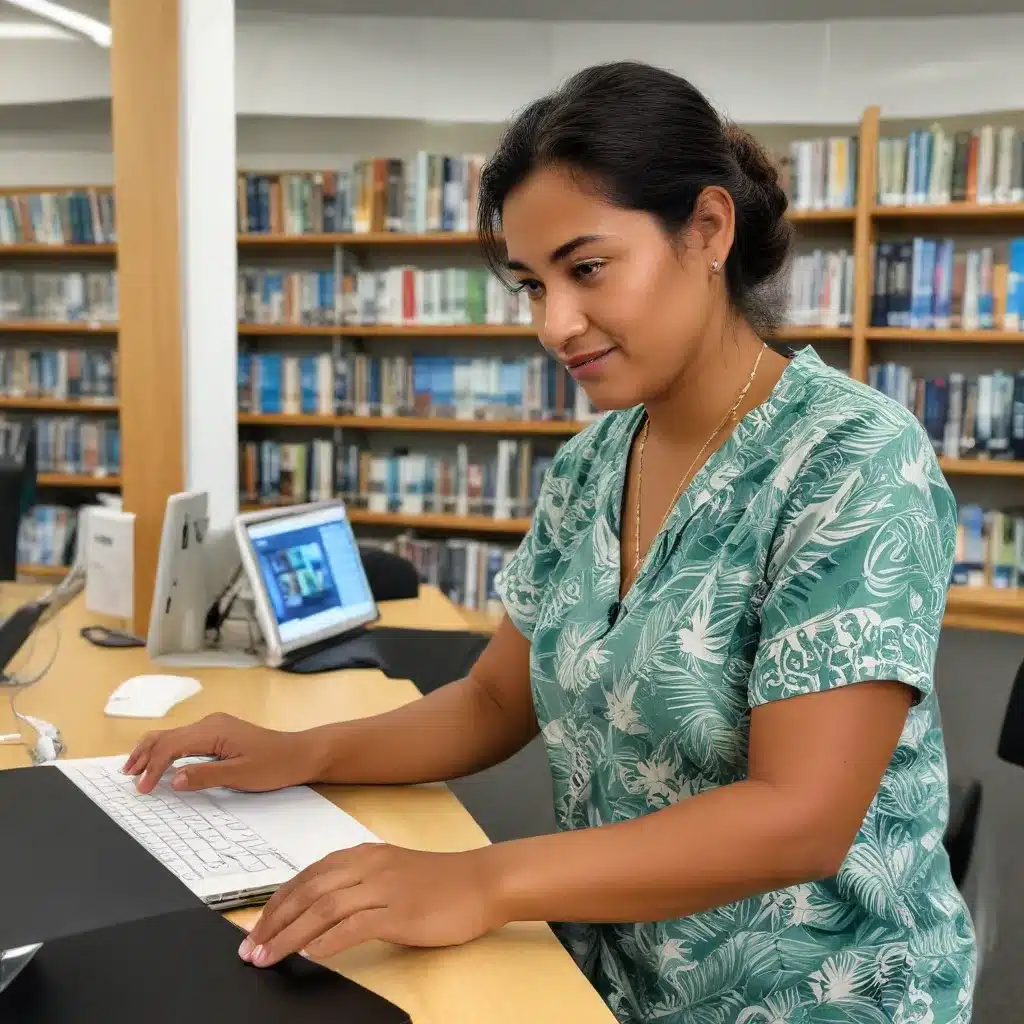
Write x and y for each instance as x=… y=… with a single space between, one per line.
x=58 y=257
x=862 y=224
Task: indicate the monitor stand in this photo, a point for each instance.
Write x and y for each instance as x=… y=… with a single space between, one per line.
x=13 y=960
x=357 y=649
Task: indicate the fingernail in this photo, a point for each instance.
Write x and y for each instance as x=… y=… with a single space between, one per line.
x=259 y=956
x=246 y=948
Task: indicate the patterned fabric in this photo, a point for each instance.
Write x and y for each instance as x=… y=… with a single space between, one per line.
x=812 y=551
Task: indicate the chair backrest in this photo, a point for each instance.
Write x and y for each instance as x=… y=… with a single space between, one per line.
x=391 y=577
x=1011 y=739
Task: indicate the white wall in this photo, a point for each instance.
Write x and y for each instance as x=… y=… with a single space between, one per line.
x=480 y=70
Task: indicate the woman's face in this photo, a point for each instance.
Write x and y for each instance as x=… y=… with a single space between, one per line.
x=620 y=303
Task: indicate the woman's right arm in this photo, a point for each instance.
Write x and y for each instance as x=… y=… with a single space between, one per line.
x=460 y=728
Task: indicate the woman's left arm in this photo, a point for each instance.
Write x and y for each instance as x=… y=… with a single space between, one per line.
x=815 y=764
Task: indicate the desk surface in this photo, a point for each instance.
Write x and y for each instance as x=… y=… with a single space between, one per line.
x=517 y=974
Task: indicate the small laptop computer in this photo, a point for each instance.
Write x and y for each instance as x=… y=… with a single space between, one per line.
x=231 y=849
x=308 y=582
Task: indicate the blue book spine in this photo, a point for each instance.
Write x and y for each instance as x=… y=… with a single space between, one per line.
x=1014 y=320
x=925 y=146
x=944 y=283
x=307 y=379
x=446 y=380
x=920 y=288
x=422 y=385
x=910 y=192
x=244 y=382
x=273 y=376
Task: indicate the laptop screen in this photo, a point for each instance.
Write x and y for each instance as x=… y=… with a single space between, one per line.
x=314 y=579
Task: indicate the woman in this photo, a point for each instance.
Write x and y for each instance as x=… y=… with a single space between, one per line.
x=746 y=836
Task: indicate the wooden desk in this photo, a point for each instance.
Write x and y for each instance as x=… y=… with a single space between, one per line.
x=519 y=974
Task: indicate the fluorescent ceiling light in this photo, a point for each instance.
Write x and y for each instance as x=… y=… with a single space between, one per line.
x=32 y=30
x=75 y=21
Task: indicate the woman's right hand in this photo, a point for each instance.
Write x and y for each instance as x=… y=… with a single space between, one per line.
x=248 y=757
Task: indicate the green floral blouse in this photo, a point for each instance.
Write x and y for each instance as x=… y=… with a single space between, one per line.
x=812 y=551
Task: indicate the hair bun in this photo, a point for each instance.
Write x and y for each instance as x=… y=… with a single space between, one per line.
x=757 y=165
x=763 y=234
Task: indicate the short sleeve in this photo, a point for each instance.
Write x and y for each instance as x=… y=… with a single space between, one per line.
x=858 y=580
x=521 y=582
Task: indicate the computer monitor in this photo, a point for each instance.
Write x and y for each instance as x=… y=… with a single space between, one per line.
x=308 y=581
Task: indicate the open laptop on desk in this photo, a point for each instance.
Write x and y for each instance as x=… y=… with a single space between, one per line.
x=231 y=849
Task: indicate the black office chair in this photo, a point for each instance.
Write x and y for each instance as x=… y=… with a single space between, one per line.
x=17 y=488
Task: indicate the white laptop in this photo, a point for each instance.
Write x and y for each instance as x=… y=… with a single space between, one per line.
x=231 y=849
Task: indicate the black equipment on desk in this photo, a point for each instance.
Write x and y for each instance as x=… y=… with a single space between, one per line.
x=428 y=657
x=177 y=967
x=17 y=488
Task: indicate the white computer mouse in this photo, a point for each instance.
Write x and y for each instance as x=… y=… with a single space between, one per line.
x=150 y=696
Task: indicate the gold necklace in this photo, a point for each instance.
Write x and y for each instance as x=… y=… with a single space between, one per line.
x=640 y=461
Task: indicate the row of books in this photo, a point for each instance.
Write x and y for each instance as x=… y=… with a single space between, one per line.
x=821 y=289
x=398 y=295
x=989 y=548
x=928 y=282
x=68 y=296
x=72 y=217
x=447 y=387
x=504 y=486
x=428 y=192
x=67 y=444
x=965 y=416
x=932 y=166
x=84 y=375
x=46 y=535
x=463 y=569
x=821 y=174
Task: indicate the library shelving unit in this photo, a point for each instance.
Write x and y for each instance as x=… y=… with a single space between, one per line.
x=968 y=607
x=31 y=333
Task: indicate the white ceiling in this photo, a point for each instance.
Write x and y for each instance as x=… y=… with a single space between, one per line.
x=593 y=10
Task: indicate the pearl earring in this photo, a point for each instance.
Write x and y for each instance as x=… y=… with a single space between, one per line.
x=714 y=266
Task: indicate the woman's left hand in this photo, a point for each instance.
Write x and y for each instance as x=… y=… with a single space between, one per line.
x=375 y=891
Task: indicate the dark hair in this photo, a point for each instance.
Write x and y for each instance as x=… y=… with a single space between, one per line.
x=649 y=140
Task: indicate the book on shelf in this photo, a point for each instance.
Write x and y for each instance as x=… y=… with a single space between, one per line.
x=61 y=217
x=935 y=167
x=270 y=382
x=395 y=296
x=821 y=289
x=928 y=283
x=504 y=486
x=464 y=570
x=820 y=174
x=989 y=548
x=85 y=375
x=425 y=193
x=46 y=535
x=979 y=416
x=65 y=297
x=534 y=388
x=68 y=444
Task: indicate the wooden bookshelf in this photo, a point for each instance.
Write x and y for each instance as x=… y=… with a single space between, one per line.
x=62 y=249
x=438 y=425
x=86 y=481
x=976 y=609
x=982 y=467
x=55 y=327
x=951 y=211
x=314 y=240
x=67 y=405
x=985 y=608
x=387 y=330
x=46 y=572
x=933 y=336
x=840 y=216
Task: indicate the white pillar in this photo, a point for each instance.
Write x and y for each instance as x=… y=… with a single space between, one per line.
x=209 y=254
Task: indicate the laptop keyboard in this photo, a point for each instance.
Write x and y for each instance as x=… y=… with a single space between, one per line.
x=190 y=834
